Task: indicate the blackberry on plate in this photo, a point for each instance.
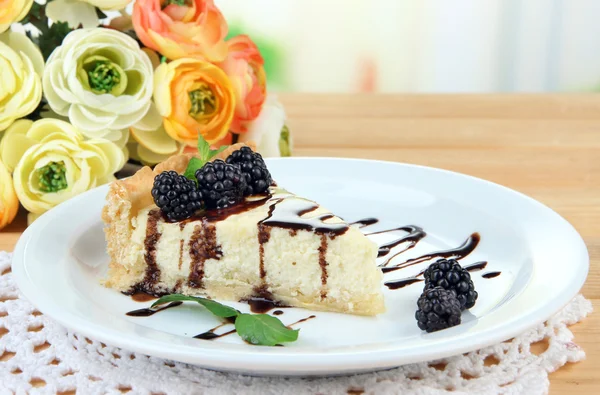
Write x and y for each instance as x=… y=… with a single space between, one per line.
x=253 y=168
x=176 y=195
x=437 y=309
x=448 y=274
x=222 y=184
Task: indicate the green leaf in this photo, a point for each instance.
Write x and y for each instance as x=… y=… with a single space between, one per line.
x=263 y=330
x=193 y=165
x=100 y=14
x=216 y=308
x=203 y=148
x=205 y=153
x=53 y=37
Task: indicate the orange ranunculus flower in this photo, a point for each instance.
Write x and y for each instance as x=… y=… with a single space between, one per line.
x=194 y=96
x=245 y=67
x=9 y=204
x=182 y=29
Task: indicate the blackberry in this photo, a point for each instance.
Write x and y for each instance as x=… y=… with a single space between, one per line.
x=253 y=168
x=222 y=184
x=176 y=195
x=437 y=309
x=448 y=274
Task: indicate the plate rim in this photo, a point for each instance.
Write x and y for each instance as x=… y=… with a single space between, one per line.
x=305 y=362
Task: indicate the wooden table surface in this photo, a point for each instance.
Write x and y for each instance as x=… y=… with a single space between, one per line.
x=546 y=146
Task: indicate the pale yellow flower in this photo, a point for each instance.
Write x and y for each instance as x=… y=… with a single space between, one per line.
x=12 y=11
x=21 y=66
x=109 y=5
x=61 y=164
x=9 y=204
x=152 y=147
x=101 y=80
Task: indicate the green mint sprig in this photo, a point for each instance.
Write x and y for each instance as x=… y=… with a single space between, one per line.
x=205 y=153
x=257 y=329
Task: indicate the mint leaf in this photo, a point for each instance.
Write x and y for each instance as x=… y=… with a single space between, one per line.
x=216 y=308
x=203 y=148
x=205 y=153
x=263 y=330
x=193 y=165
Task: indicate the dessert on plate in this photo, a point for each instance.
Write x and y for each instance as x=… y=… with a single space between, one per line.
x=216 y=225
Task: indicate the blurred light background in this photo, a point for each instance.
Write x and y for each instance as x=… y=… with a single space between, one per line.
x=424 y=45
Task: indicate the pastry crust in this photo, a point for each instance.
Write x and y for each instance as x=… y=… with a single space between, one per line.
x=127 y=197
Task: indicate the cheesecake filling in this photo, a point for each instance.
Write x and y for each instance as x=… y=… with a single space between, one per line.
x=283 y=246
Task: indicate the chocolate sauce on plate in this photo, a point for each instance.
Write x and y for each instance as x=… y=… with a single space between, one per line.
x=457 y=253
x=491 y=274
x=364 y=222
x=476 y=266
x=149 y=312
x=310 y=317
x=278 y=312
x=263 y=301
x=141 y=296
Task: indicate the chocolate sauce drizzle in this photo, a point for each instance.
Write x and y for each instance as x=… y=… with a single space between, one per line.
x=263 y=301
x=149 y=312
x=415 y=234
x=140 y=296
x=289 y=213
x=476 y=266
x=264 y=234
x=211 y=335
x=310 y=317
x=203 y=246
x=364 y=222
x=150 y=242
x=491 y=274
x=323 y=263
x=456 y=253
x=396 y=284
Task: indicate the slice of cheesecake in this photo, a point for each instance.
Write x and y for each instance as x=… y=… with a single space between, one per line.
x=277 y=245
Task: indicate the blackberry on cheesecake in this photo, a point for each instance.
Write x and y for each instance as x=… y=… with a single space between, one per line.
x=253 y=167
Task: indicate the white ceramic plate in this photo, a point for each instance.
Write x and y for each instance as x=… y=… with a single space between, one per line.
x=61 y=258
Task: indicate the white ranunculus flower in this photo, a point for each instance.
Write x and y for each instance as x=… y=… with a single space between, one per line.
x=74 y=12
x=101 y=80
x=269 y=131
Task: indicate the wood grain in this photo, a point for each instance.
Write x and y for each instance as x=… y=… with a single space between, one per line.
x=546 y=146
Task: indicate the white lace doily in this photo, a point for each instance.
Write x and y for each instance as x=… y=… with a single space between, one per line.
x=39 y=355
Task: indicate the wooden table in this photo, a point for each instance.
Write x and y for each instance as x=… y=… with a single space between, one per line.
x=546 y=146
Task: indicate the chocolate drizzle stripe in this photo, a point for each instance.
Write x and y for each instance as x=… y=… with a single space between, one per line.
x=362 y=223
x=415 y=234
x=476 y=266
x=289 y=213
x=323 y=264
x=457 y=253
x=149 y=312
x=203 y=246
x=401 y=283
x=310 y=317
x=181 y=244
x=264 y=234
x=491 y=274
x=150 y=242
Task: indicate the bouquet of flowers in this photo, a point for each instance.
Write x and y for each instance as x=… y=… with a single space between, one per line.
x=88 y=85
